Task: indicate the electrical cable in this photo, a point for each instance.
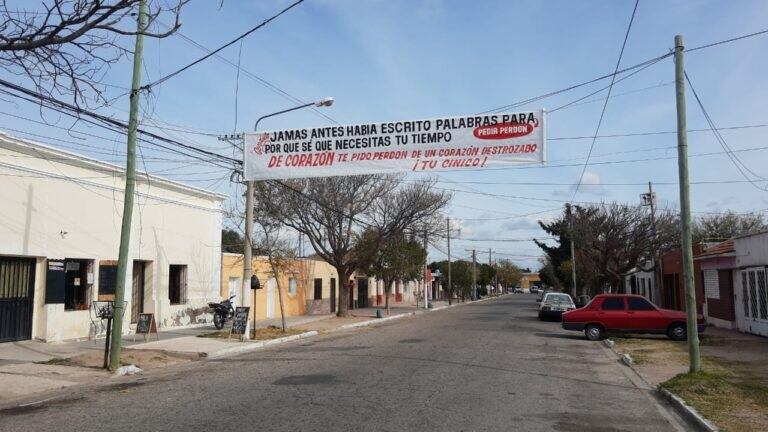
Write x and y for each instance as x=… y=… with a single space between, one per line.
x=217 y=50
x=605 y=104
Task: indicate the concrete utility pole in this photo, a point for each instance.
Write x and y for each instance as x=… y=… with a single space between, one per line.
x=450 y=285
x=245 y=292
x=649 y=200
x=426 y=283
x=130 y=189
x=490 y=265
x=573 y=249
x=694 y=358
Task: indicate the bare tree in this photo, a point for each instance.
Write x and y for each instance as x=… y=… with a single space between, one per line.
x=721 y=227
x=66 y=46
x=333 y=213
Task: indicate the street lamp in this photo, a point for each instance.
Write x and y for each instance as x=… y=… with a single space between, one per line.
x=247 y=241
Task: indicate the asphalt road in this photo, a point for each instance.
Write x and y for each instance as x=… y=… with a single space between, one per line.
x=488 y=366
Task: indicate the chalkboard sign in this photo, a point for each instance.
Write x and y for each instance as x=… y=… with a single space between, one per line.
x=146 y=325
x=240 y=320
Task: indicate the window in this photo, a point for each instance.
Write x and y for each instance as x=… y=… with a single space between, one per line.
x=318 y=289
x=643 y=292
x=613 y=303
x=107 y=281
x=177 y=284
x=291 y=285
x=638 y=304
x=762 y=301
x=752 y=295
x=744 y=293
x=78 y=279
x=711 y=284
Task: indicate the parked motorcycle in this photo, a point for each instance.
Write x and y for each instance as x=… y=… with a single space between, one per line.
x=222 y=312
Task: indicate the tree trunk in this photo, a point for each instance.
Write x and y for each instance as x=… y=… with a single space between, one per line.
x=343 y=309
x=387 y=289
x=279 y=291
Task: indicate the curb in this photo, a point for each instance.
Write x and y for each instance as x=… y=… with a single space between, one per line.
x=678 y=405
x=686 y=411
x=374 y=321
x=252 y=346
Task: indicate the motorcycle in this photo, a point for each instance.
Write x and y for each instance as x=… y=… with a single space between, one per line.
x=222 y=312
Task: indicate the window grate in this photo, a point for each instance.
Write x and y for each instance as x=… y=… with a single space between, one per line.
x=761 y=298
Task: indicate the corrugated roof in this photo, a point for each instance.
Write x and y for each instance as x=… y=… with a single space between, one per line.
x=723 y=248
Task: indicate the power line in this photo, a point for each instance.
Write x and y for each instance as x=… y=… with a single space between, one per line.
x=710 y=45
x=217 y=50
x=738 y=163
x=605 y=104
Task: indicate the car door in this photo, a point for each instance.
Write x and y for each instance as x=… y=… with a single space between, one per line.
x=612 y=313
x=642 y=315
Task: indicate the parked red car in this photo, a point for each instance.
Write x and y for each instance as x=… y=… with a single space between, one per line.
x=628 y=314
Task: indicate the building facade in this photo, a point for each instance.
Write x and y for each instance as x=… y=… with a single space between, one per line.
x=60 y=235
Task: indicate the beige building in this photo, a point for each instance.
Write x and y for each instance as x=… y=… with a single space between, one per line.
x=59 y=239
x=308 y=286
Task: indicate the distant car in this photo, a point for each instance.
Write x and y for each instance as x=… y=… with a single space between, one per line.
x=554 y=304
x=542 y=293
x=517 y=290
x=533 y=290
x=582 y=300
x=627 y=313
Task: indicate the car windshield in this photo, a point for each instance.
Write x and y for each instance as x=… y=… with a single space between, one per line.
x=558 y=298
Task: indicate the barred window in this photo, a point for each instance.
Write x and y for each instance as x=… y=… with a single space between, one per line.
x=752 y=295
x=711 y=284
x=744 y=293
x=762 y=301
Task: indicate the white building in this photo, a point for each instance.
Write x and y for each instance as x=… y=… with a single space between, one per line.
x=60 y=222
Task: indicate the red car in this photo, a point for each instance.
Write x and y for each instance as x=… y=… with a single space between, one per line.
x=627 y=314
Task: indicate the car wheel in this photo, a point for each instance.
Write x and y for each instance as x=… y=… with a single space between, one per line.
x=593 y=332
x=541 y=317
x=677 y=331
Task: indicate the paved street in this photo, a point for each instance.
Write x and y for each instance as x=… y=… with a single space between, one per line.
x=484 y=366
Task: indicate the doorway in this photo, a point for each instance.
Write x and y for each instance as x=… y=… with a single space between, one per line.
x=137 y=290
x=17 y=288
x=271 y=283
x=362 y=292
x=333 y=295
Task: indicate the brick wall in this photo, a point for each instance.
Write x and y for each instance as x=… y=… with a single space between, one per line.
x=723 y=308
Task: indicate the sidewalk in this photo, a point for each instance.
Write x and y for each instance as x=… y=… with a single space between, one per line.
x=731 y=390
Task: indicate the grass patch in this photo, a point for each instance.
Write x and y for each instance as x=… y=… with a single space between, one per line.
x=731 y=398
x=271 y=332
x=57 y=361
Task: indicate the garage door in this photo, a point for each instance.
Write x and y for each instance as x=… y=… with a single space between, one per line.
x=17 y=284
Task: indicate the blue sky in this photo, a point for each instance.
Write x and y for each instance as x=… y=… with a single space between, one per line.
x=400 y=59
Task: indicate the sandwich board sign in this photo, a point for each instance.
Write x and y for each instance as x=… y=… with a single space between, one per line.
x=239 y=321
x=146 y=325
x=440 y=144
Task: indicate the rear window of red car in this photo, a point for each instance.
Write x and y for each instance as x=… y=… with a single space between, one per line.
x=613 y=303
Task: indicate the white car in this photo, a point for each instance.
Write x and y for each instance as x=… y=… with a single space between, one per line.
x=554 y=304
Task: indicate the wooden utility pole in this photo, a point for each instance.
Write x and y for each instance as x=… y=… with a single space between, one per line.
x=474 y=274
x=450 y=285
x=694 y=359
x=573 y=249
x=130 y=190
x=490 y=267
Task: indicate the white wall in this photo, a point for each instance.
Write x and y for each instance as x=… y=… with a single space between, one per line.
x=56 y=206
x=751 y=255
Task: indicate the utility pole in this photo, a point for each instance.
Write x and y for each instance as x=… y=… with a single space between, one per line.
x=649 y=200
x=573 y=249
x=426 y=283
x=490 y=267
x=474 y=274
x=694 y=358
x=248 y=254
x=130 y=189
x=450 y=285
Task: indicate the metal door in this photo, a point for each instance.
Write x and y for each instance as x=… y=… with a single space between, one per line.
x=333 y=295
x=362 y=293
x=17 y=288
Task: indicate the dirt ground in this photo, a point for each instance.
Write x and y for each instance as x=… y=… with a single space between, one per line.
x=145 y=359
x=732 y=388
x=265 y=333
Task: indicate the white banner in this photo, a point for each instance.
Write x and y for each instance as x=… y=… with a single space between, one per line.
x=472 y=142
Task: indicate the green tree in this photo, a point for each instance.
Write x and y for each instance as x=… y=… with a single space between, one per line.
x=231 y=241
x=398 y=258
